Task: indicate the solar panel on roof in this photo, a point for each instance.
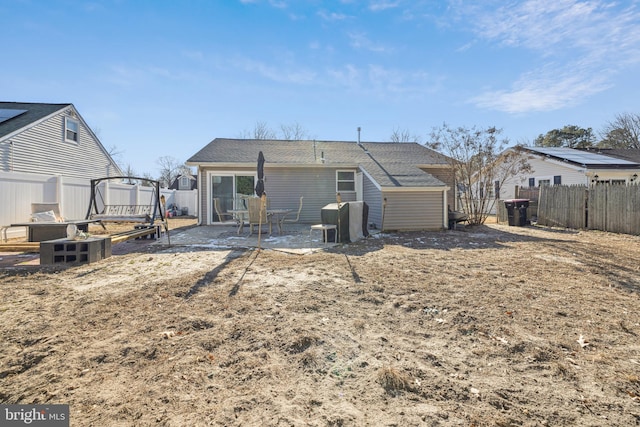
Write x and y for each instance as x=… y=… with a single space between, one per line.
x=6 y=114
x=581 y=157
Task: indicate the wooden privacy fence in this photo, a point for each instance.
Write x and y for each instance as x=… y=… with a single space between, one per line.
x=530 y=193
x=614 y=208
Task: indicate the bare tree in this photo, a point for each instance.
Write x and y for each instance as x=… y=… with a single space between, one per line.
x=170 y=168
x=116 y=154
x=294 y=132
x=403 y=136
x=244 y=134
x=145 y=180
x=623 y=132
x=480 y=164
x=146 y=176
x=262 y=131
x=129 y=172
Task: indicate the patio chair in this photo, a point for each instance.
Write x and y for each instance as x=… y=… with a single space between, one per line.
x=297 y=218
x=256 y=216
x=241 y=201
x=222 y=215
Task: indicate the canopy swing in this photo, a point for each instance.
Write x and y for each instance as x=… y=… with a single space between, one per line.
x=100 y=210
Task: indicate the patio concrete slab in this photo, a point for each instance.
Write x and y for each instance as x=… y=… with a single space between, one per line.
x=295 y=238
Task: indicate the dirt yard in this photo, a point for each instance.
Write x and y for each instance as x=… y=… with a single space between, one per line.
x=491 y=326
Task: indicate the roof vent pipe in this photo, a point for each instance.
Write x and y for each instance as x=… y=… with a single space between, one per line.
x=359 y=135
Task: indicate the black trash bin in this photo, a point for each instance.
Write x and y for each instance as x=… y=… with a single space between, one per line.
x=517 y=211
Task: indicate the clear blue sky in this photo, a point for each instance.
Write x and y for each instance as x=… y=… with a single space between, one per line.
x=163 y=78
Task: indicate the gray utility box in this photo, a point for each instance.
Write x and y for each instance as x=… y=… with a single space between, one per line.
x=89 y=250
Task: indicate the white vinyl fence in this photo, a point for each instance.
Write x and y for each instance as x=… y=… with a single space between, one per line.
x=19 y=190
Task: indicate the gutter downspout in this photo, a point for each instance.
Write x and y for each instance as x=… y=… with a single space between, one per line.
x=384 y=209
x=445 y=207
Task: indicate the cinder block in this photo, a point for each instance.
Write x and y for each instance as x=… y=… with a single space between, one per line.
x=106 y=247
x=70 y=251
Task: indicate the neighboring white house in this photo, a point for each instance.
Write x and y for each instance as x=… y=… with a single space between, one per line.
x=51 y=139
x=568 y=166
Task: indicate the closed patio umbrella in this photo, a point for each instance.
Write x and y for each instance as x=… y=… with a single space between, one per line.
x=260 y=192
x=260 y=184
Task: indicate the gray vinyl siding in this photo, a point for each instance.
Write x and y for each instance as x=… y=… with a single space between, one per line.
x=284 y=186
x=318 y=186
x=406 y=210
x=373 y=198
x=414 y=210
x=445 y=175
x=43 y=149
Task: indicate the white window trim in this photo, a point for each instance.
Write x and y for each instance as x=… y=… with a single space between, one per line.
x=66 y=129
x=544 y=178
x=338 y=181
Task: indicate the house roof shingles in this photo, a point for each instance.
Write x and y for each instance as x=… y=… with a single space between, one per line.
x=35 y=112
x=389 y=164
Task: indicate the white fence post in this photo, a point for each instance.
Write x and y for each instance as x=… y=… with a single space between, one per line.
x=59 y=199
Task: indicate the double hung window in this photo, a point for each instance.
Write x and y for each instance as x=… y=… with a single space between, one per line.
x=345 y=181
x=71 y=128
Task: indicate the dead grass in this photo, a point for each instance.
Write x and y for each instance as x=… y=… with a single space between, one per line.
x=478 y=327
x=394 y=381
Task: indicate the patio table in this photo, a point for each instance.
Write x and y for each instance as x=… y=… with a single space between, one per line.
x=278 y=214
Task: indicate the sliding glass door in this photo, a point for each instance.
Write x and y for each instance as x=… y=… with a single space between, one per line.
x=231 y=189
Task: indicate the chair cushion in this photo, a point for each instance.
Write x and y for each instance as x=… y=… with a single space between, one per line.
x=49 y=216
